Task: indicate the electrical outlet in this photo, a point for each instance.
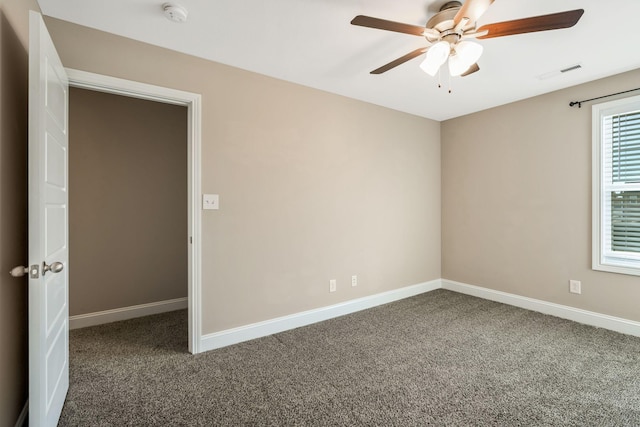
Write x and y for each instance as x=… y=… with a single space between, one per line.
x=575 y=287
x=354 y=280
x=210 y=201
x=332 y=285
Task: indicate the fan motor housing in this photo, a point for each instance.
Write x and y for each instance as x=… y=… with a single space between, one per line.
x=450 y=5
x=443 y=20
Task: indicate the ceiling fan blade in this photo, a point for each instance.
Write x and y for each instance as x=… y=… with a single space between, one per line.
x=400 y=60
x=471 y=70
x=472 y=10
x=554 y=21
x=383 y=24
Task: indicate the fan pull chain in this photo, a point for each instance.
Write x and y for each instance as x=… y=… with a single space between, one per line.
x=449 y=82
x=439 y=77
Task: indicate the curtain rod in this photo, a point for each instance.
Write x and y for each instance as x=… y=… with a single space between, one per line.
x=579 y=103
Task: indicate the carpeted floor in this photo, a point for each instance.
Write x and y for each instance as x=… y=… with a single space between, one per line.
x=441 y=359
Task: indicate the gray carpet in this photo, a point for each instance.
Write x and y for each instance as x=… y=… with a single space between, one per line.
x=441 y=358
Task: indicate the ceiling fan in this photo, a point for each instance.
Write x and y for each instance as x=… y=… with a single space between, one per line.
x=448 y=33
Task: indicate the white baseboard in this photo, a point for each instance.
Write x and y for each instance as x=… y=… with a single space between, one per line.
x=125 y=313
x=617 y=324
x=23 y=415
x=281 y=324
x=285 y=323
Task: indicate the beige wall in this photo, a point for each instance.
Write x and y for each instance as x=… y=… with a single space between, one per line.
x=313 y=186
x=14 y=28
x=127 y=201
x=516 y=201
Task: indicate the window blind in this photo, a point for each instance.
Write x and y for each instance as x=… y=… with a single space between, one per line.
x=625 y=147
x=622 y=176
x=625 y=221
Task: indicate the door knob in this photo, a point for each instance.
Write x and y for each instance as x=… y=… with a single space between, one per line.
x=55 y=267
x=19 y=271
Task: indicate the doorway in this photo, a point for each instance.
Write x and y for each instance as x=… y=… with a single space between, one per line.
x=127 y=207
x=178 y=101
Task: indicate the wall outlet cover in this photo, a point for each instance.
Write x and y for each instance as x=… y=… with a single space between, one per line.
x=575 y=287
x=210 y=201
x=332 y=285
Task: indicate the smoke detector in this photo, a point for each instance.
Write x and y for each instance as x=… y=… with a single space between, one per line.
x=175 y=12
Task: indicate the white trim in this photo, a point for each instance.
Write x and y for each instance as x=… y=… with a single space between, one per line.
x=195 y=229
x=577 y=315
x=193 y=102
x=126 y=313
x=23 y=415
x=596 y=189
x=285 y=323
x=101 y=83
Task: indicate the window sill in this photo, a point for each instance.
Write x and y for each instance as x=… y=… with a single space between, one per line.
x=618 y=268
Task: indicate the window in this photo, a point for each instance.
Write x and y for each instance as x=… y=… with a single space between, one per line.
x=616 y=186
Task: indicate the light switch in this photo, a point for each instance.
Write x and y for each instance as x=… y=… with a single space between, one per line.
x=210 y=201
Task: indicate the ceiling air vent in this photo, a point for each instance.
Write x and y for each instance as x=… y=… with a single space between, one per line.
x=573 y=67
x=557 y=73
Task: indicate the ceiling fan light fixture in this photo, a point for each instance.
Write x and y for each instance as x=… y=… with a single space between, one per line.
x=466 y=54
x=436 y=56
x=453 y=25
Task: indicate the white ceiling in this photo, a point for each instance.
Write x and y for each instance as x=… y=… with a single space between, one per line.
x=311 y=42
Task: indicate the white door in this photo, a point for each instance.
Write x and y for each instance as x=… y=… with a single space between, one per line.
x=48 y=224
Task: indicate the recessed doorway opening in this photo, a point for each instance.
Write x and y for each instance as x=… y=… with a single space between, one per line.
x=182 y=222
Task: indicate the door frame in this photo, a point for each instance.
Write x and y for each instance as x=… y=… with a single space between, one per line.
x=193 y=102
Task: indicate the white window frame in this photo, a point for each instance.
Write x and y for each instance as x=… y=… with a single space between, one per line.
x=603 y=257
